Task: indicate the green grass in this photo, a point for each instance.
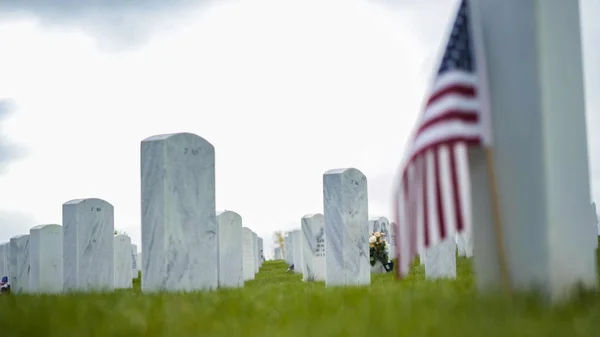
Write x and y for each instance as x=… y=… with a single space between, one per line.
x=276 y=304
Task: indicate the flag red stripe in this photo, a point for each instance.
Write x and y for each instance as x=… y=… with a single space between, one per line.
x=465 y=90
x=455 y=190
x=466 y=116
x=475 y=140
x=438 y=193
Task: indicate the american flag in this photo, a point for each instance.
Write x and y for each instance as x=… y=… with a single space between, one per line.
x=432 y=197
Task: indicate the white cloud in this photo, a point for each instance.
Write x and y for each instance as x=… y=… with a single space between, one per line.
x=285 y=91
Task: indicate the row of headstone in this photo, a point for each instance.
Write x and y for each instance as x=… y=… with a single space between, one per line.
x=35 y=262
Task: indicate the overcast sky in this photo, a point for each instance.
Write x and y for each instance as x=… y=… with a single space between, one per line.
x=284 y=90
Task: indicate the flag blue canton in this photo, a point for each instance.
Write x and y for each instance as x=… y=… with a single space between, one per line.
x=457 y=55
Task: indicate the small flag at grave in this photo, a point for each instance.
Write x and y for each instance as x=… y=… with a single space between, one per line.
x=432 y=197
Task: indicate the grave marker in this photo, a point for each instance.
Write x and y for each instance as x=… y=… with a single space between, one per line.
x=19 y=264
x=313 y=247
x=46 y=259
x=248 y=253
x=123 y=264
x=179 y=225
x=231 y=270
x=345 y=205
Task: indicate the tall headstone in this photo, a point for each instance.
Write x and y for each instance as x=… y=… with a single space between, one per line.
x=122 y=265
x=594 y=225
x=313 y=247
x=179 y=224
x=134 y=261
x=440 y=261
x=255 y=244
x=261 y=256
x=345 y=205
x=46 y=259
x=248 y=253
x=535 y=73
x=88 y=231
x=288 y=248
x=231 y=269
x=4 y=260
x=19 y=264
x=297 y=237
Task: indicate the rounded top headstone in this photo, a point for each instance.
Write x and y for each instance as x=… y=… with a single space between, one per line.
x=78 y=201
x=225 y=212
x=40 y=227
x=168 y=136
x=16 y=237
x=343 y=171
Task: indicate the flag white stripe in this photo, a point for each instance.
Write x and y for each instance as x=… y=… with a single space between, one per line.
x=453 y=77
x=464 y=183
x=432 y=214
x=441 y=131
x=447 y=190
x=449 y=102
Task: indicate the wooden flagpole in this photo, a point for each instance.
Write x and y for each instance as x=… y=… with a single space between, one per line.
x=495 y=204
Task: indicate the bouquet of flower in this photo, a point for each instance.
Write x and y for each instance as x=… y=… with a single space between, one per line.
x=378 y=248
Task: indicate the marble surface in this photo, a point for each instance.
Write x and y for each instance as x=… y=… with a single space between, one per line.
x=122 y=265
x=313 y=247
x=460 y=244
x=19 y=264
x=134 y=261
x=179 y=224
x=261 y=256
x=255 y=243
x=297 y=238
x=392 y=240
x=440 y=260
x=288 y=248
x=139 y=262
x=231 y=269
x=248 y=253
x=4 y=259
x=277 y=254
x=46 y=259
x=345 y=205
x=88 y=231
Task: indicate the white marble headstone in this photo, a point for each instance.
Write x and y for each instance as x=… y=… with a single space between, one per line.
x=122 y=253
x=460 y=244
x=139 y=262
x=231 y=270
x=19 y=264
x=248 y=253
x=440 y=261
x=255 y=243
x=345 y=205
x=4 y=259
x=261 y=256
x=392 y=240
x=134 y=261
x=297 y=237
x=179 y=224
x=46 y=259
x=313 y=247
x=277 y=253
x=288 y=248
x=88 y=231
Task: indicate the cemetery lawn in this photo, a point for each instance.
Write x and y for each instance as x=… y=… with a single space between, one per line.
x=278 y=304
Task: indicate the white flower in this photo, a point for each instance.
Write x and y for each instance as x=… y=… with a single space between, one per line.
x=372 y=239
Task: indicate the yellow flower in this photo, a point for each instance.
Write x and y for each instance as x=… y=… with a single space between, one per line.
x=371 y=245
x=377 y=234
